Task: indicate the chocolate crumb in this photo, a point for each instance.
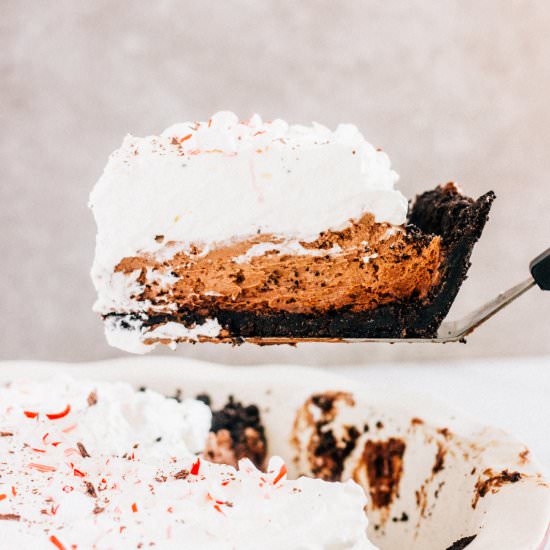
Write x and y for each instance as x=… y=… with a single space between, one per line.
x=6 y=434
x=444 y=432
x=92 y=398
x=404 y=517
x=460 y=544
x=439 y=459
x=523 y=456
x=177 y=396
x=90 y=489
x=83 y=452
x=205 y=398
x=98 y=510
x=182 y=474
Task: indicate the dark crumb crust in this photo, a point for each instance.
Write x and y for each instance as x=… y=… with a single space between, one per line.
x=460 y=544
x=457 y=219
x=244 y=423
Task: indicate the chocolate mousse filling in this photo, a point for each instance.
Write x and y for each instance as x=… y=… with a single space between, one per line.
x=370 y=280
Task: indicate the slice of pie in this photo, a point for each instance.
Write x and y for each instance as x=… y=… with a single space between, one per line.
x=226 y=229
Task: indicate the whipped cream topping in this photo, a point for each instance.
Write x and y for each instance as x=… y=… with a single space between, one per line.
x=205 y=183
x=97 y=465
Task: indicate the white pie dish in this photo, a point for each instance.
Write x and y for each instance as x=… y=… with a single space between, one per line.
x=515 y=516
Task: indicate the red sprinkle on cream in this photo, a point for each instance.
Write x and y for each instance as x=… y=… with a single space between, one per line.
x=196 y=467
x=57 y=543
x=3 y=496
x=185 y=138
x=13 y=491
x=30 y=414
x=78 y=473
x=62 y=414
x=218 y=509
x=282 y=472
x=134 y=507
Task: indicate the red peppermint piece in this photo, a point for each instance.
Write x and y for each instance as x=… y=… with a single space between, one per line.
x=196 y=467
x=62 y=414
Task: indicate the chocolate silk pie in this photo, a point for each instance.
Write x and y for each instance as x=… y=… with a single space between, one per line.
x=226 y=229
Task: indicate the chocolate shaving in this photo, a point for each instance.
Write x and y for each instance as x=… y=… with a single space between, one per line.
x=6 y=434
x=12 y=517
x=90 y=489
x=83 y=450
x=182 y=474
x=439 y=463
x=92 y=398
x=460 y=544
x=98 y=510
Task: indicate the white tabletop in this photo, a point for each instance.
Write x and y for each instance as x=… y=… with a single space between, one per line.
x=511 y=394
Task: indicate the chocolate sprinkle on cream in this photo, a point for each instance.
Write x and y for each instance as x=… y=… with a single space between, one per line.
x=92 y=398
x=90 y=489
x=83 y=452
x=12 y=517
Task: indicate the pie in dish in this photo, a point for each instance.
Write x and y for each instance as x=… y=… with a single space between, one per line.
x=101 y=465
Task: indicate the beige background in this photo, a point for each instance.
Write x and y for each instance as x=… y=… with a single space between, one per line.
x=452 y=90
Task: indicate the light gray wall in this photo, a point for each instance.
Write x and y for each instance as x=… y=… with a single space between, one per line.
x=452 y=90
